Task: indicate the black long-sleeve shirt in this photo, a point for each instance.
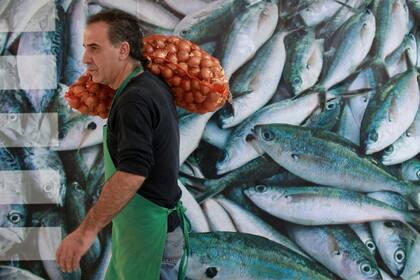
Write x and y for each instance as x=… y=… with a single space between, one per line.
x=143 y=138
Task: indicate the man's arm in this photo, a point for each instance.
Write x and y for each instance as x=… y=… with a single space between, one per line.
x=116 y=193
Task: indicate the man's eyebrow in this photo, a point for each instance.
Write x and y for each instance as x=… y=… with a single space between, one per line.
x=91 y=45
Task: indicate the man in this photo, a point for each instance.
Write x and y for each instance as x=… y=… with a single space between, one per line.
x=141 y=147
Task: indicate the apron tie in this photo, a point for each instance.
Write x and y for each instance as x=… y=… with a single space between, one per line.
x=186 y=229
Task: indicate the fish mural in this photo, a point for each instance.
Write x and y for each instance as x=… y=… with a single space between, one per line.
x=312 y=171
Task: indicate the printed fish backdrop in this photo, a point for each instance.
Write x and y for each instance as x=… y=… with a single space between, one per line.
x=312 y=172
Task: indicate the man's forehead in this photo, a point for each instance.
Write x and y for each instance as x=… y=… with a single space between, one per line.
x=96 y=33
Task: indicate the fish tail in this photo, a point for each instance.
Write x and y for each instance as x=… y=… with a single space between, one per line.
x=414 y=198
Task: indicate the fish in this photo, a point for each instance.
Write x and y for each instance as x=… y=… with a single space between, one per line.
x=247 y=222
x=252 y=171
x=324 y=158
x=348 y=49
x=191 y=128
x=258 y=79
x=43 y=43
x=327 y=118
x=13 y=217
x=8 y=159
x=75 y=213
x=405 y=147
x=414 y=7
x=45 y=159
x=412 y=266
x=76 y=22
x=250 y=29
x=194 y=212
x=384 y=122
x=393 y=239
x=392 y=24
x=225 y=255
x=348 y=126
x=321 y=205
x=319 y=11
x=410 y=170
x=363 y=232
x=17 y=15
x=204 y=24
x=238 y=151
x=11 y=273
x=396 y=62
x=186 y=7
x=303 y=62
x=338 y=248
x=216 y=136
x=146 y=10
x=102 y=263
x=217 y=217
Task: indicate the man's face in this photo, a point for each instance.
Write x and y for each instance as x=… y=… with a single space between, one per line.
x=101 y=57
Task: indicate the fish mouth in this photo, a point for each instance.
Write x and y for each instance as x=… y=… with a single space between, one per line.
x=251 y=137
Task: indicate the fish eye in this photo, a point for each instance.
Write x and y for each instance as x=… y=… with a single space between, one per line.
x=365 y=25
x=371 y=246
x=76 y=186
x=260 y=188
x=297 y=81
x=92 y=126
x=331 y=106
x=389 y=150
x=367 y=269
x=418 y=173
x=399 y=256
x=211 y=272
x=14 y=217
x=184 y=32
x=267 y=135
x=373 y=136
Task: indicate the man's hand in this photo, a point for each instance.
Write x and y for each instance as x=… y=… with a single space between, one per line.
x=72 y=248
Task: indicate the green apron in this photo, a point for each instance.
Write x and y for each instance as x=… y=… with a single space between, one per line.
x=139 y=231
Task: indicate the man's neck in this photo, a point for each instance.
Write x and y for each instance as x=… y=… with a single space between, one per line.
x=122 y=75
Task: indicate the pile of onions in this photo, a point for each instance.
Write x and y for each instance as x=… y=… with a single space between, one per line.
x=196 y=78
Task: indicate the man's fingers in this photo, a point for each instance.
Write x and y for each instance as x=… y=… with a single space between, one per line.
x=68 y=262
x=76 y=261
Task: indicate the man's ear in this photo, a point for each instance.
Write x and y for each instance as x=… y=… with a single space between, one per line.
x=124 y=50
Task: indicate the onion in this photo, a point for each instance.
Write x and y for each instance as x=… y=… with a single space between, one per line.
x=155 y=69
x=205 y=73
x=194 y=71
x=160 y=43
x=206 y=63
x=183 y=56
x=176 y=81
x=195 y=84
x=198 y=97
x=184 y=46
x=167 y=73
x=186 y=85
x=194 y=61
x=188 y=97
x=171 y=48
x=172 y=58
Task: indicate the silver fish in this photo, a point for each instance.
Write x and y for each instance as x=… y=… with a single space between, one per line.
x=363 y=232
x=393 y=239
x=259 y=79
x=186 y=7
x=319 y=11
x=238 y=151
x=325 y=206
x=76 y=21
x=205 y=24
x=216 y=136
x=217 y=217
x=194 y=212
x=248 y=32
x=13 y=217
x=191 y=129
x=348 y=49
x=324 y=158
x=406 y=147
x=226 y=255
x=384 y=121
x=396 y=62
x=247 y=222
x=391 y=26
x=303 y=62
x=145 y=10
x=338 y=248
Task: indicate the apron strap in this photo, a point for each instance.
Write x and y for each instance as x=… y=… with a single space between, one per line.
x=186 y=229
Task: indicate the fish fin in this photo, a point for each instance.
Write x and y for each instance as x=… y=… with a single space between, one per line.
x=346 y=5
x=245 y=92
x=380 y=71
x=193 y=182
x=295 y=11
x=409 y=63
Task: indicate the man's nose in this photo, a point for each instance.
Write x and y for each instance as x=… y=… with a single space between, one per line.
x=86 y=59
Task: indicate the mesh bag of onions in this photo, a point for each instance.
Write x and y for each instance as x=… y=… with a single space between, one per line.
x=196 y=78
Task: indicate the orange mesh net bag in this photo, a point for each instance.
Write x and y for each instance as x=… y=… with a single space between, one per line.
x=196 y=78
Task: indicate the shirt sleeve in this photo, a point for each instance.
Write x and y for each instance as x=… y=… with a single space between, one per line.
x=135 y=138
